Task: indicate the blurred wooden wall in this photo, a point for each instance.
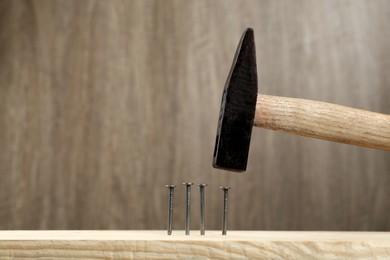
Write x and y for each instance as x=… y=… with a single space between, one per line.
x=103 y=103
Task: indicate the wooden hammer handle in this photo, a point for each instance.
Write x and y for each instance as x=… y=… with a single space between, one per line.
x=323 y=121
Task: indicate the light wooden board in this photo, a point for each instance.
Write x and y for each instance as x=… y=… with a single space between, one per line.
x=158 y=245
x=103 y=103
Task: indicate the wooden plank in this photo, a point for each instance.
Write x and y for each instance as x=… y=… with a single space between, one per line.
x=158 y=245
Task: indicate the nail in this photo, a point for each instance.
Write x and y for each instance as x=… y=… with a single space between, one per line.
x=171 y=189
x=188 y=205
x=202 y=213
x=225 y=209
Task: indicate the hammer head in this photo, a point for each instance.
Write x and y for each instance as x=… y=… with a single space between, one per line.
x=237 y=108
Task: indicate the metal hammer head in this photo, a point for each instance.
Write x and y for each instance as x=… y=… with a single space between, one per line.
x=237 y=108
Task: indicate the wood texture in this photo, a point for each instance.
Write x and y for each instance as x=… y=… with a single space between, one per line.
x=102 y=103
x=158 y=245
x=323 y=120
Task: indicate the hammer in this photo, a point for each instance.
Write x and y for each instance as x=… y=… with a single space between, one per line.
x=242 y=108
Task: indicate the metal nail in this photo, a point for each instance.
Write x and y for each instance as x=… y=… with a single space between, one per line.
x=171 y=189
x=188 y=206
x=202 y=208
x=225 y=209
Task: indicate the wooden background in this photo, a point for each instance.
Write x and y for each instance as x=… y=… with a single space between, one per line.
x=102 y=103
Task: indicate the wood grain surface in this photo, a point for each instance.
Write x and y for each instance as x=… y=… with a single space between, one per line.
x=158 y=245
x=102 y=103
